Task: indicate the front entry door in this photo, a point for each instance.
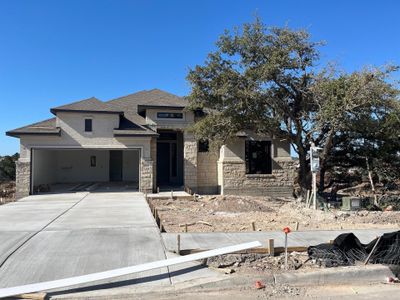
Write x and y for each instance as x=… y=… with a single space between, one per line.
x=163 y=163
x=116 y=165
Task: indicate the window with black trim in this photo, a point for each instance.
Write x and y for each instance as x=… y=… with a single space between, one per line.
x=88 y=125
x=258 y=157
x=93 y=161
x=169 y=115
x=203 y=146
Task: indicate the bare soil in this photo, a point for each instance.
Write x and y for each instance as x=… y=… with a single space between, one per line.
x=236 y=214
x=7 y=192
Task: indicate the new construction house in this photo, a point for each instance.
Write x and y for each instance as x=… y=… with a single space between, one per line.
x=144 y=141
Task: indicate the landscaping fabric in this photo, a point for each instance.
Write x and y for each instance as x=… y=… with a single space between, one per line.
x=347 y=249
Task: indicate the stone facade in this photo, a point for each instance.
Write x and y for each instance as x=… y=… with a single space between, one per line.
x=237 y=182
x=207 y=173
x=146 y=175
x=23 y=179
x=190 y=161
x=153 y=154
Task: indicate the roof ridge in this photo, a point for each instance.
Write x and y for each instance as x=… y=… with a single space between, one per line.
x=135 y=93
x=79 y=101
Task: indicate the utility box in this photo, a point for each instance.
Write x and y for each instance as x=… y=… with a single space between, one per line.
x=351 y=203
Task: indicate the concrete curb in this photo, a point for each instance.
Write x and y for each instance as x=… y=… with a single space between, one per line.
x=340 y=275
x=332 y=276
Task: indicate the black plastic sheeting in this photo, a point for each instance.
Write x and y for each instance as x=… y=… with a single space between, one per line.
x=347 y=249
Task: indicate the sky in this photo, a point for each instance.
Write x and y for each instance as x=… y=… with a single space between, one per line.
x=57 y=52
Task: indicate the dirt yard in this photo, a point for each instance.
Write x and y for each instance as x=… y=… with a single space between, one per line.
x=7 y=192
x=235 y=214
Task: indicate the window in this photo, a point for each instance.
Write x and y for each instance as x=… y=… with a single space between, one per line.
x=258 y=157
x=93 y=161
x=169 y=115
x=203 y=146
x=88 y=125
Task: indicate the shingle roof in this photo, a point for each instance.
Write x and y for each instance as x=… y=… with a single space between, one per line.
x=88 y=105
x=46 y=127
x=131 y=124
x=151 y=98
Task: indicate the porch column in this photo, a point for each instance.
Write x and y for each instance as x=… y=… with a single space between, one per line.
x=190 y=161
x=146 y=175
x=23 y=178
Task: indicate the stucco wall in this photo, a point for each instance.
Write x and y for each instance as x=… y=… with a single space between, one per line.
x=45 y=167
x=131 y=167
x=74 y=166
x=152 y=120
x=73 y=135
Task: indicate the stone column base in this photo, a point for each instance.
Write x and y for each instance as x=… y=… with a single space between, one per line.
x=23 y=179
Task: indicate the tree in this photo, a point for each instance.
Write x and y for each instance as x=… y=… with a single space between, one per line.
x=267 y=80
x=7 y=167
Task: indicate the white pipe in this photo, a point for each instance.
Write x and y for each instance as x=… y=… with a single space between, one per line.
x=66 y=282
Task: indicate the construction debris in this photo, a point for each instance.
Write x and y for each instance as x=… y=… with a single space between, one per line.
x=245 y=213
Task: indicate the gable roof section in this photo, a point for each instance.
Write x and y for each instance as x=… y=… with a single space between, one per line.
x=131 y=124
x=91 y=105
x=46 y=127
x=154 y=98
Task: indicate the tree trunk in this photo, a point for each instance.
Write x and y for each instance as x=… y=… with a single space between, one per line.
x=304 y=179
x=371 y=181
x=321 y=186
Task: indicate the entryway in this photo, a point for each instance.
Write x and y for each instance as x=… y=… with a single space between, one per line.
x=170 y=158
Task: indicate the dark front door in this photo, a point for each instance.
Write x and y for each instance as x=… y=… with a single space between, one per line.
x=116 y=165
x=163 y=163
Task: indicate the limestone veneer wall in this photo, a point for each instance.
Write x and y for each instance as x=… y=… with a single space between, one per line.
x=232 y=177
x=207 y=173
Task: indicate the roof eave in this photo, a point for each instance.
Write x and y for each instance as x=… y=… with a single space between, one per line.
x=54 y=111
x=161 y=107
x=19 y=133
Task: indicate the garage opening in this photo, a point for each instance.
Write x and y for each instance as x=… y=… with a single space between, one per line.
x=61 y=170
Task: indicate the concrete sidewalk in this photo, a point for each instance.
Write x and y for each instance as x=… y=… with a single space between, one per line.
x=211 y=240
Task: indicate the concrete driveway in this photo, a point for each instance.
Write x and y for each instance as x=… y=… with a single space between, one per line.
x=48 y=237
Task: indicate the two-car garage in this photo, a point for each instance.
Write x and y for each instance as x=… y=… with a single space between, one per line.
x=70 y=167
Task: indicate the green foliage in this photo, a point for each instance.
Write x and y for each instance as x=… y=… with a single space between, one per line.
x=7 y=167
x=268 y=80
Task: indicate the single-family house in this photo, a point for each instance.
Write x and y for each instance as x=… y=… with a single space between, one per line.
x=144 y=139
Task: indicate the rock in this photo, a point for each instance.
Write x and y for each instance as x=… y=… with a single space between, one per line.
x=389 y=208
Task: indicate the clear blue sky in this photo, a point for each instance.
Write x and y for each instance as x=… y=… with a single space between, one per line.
x=55 y=52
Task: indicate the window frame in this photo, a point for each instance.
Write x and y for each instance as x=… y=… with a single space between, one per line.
x=203 y=146
x=93 y=161
x=85 y=125
x=170 y=115
x=256 y=165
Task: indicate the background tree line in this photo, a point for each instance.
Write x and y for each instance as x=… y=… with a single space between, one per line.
x=7 y=167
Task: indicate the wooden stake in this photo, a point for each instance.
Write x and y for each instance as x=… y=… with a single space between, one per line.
x=33 y=296
x=253 y=225
x=186 y=227
x=297 y=226
x=178 y=244
x=372 y=251
x=172 y=194
x=271 y=247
